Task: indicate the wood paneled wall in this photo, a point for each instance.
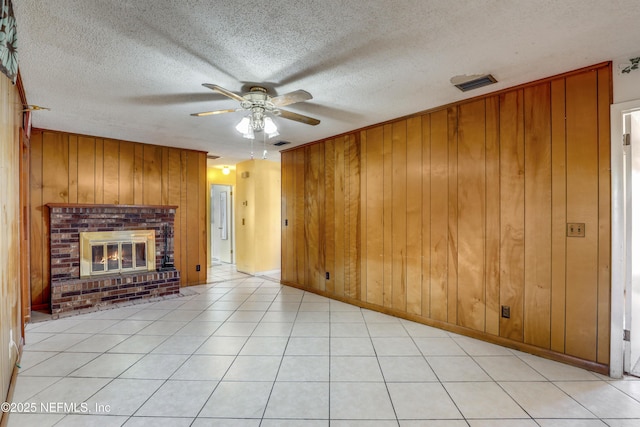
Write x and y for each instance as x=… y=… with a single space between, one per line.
x=10 y=231
x=69 y=168
x=445 y=217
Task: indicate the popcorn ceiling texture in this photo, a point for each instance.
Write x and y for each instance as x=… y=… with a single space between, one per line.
x=133 y=70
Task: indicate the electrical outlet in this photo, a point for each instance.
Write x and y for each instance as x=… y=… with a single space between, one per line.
x=506 y=311
x=198 y=267
x=575 y=229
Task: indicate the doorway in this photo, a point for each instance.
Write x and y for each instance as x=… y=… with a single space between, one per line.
x=625 y=239
x=222 y=239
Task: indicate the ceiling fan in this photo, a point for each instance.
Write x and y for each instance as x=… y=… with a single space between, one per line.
x=258 y=103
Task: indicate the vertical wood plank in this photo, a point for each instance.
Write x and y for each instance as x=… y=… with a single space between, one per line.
x=202 y=215
x=471 y=215
x=512 y=213
x=452 y=259
x=352 y=144
x=347 y=224
x=329 y=214
x=387 y=191
x=37 y=218
x=426 y=216
x=375 y=216
x=73 y=168
x=152 y=175
x=492 y=243
x=582 y=206
x=55 y=169
x=55 y=188
x=399 y=215
x=185 y=274
x=193 y=234
x=313 y=224
x=300 y=160
x=175 y=198
x=537 y=190
x=164 y=199
x=111 y=171
x=138 y=174
x=284 y=192
x=362 y=213
x=86 y=170
x=126 y=167
x=558 y=214
x=439 y=214
x=99 y=172
x=414 y=215
x=285 y=171
x=339 y=217
x=604 y=215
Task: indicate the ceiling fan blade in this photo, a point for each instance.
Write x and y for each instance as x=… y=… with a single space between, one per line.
x=291 y=98
x=211 y=113
x=299 y=117
x=224 y=91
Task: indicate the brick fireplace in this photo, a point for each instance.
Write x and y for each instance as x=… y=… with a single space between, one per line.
x=71 y=290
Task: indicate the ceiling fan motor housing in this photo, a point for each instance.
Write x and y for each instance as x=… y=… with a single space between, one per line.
x=259 y=103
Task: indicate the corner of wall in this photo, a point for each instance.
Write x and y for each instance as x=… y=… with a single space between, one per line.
x=626 y=85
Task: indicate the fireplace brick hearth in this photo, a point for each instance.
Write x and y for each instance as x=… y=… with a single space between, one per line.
x=71 y=292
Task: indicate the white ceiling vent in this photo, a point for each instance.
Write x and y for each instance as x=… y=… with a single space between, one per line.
x=467 y=83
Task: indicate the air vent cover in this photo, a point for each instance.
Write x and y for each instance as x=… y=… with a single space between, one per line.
x=476 y=83
x=279 y=143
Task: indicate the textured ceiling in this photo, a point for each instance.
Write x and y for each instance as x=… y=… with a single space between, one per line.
x=133 y=69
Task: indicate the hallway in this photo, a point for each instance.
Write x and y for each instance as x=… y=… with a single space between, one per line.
x=247 y=351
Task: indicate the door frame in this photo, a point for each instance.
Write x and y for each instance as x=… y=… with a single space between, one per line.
x=616 y=356
x=230 y=222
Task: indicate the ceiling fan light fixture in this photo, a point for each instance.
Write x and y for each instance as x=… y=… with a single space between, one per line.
x=270 y=127
x=245 y=128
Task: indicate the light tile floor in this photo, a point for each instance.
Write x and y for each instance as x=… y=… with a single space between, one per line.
x=247 y=351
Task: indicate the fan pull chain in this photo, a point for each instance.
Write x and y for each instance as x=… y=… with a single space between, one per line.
x=264 y=145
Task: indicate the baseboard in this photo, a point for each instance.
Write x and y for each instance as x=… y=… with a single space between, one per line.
x=526 y=348
x=266 y=273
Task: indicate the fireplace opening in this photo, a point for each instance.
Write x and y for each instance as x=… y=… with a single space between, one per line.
x=114 y=252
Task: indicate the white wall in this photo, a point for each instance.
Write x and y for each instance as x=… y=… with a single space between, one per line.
x=626 y=87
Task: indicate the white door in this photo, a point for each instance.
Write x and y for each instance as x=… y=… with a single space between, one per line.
x=221 y=224
x=631 y=154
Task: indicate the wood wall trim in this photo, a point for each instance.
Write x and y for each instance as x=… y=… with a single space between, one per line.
x=99 y=206
x=21 y=93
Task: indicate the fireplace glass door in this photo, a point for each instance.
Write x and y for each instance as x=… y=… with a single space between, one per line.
x=115 y=252
x=114 y=257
